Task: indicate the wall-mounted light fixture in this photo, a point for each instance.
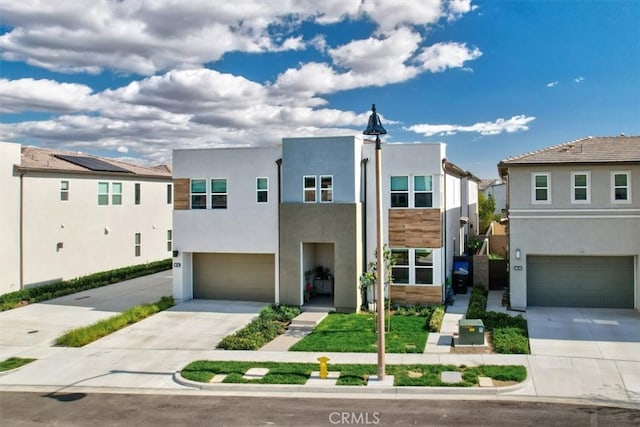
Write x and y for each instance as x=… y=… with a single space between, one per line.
x=175 y=254
x=59 y=246
x=518 y=254
x=106 y=230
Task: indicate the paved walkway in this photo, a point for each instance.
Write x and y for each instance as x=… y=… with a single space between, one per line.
x=105 y=368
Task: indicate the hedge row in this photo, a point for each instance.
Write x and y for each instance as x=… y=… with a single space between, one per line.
x=66 y=287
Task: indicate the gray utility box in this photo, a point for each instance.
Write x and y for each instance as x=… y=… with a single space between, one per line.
x=470 y=332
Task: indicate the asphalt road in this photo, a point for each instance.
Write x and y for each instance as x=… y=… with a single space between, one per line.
x=80 y=409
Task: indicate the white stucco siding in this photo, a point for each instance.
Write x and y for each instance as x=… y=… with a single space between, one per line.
x=9 y=218
x=67 y=239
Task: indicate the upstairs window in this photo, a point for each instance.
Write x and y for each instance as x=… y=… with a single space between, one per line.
x=326 y=189
x=423 y=191
x=198 y=194
x=621 y=191
x=116 y=196
x=169 y=194
x=103 y=193
x=399 y=191
x=541 y=188
x=64 y=191
x=580 y=183
x=218 y=193
x=136 y=193
x=309 y=189
x=262 y=190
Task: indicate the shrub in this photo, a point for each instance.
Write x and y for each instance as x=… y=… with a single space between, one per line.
x=436 y=319
x=96 y=280
x=494 y=320
x=510 y=340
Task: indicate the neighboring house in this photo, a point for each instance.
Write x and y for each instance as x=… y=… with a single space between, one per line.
x=574 y=224
x=250 y=222
x=497 y=189
x=65 y=215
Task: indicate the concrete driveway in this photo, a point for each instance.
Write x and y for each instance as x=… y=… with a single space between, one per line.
x=192 y=325
x=612 y=334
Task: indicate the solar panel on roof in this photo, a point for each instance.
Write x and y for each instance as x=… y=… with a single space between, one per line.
x=92 y=163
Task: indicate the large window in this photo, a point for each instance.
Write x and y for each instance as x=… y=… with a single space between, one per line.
x=413 y=267
x=198 y=194
x=580 y=187
x=262 y=190
x=621 y=188
x=218 y=193
x=309 y=189
x=423 y=191
x=399 y=191
x=326 y=189
x=103 y=193
x=64 y=191
x=116 y=196
x=541 y=188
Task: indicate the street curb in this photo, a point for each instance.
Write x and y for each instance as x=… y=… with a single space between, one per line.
x=406 y=391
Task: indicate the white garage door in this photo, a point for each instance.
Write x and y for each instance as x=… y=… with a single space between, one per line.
x=248 y=277
x=580 y=281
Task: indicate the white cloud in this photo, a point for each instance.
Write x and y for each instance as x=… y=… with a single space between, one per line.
x=441 y=56
x=514 y=124
x=553 y=84
x=579 y=79
x=44 y=96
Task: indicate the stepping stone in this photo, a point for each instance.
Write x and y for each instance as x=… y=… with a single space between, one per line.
x=374 y=382
x=315 y=380
x=451 y=377
x=485 y=382
x=218 y=378
x=255 y=373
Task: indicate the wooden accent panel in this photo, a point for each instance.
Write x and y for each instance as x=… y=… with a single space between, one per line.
x=415 y=228
x=416 y=294
x=181 y=193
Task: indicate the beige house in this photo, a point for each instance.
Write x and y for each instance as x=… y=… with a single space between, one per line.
x=65 y=215
x=574 y=224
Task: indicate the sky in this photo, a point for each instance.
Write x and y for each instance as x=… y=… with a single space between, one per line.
x=135 y=79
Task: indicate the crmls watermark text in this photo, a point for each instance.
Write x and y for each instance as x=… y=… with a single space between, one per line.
x=354 y=418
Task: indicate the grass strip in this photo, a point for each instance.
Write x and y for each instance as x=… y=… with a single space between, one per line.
x=13 y=363
x=87 y=334
x=350 y=374
x=354 y=332
x=67 y=287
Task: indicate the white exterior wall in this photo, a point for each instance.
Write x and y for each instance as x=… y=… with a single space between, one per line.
x=244 y=227
x=94 y=238
x=9 y=218
x=453 y=232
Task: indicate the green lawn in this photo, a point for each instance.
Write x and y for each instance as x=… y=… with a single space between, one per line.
x=350 y=374
x=13 y=363
x=354 y=333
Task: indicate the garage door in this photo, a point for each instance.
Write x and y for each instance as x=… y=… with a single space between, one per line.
x=580 y=281
x=248 y=277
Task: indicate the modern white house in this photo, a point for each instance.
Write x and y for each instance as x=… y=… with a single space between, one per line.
x=68 y=214
x=255 y=223
x=574 y=224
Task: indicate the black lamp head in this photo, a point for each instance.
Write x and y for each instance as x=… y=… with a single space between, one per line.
x=375 y=126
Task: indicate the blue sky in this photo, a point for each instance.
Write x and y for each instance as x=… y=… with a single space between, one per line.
x=491 y=79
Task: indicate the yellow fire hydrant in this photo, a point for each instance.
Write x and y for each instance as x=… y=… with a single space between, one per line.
x=324 y=371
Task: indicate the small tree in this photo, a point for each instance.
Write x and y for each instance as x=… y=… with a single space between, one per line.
x=369 y=278
x=486 y=209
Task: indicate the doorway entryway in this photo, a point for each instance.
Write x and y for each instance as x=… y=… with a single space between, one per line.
x=318 y=281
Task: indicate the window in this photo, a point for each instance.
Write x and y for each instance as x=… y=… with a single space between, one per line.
x=399 y=191
x=541 y=193
x=198 y=194
x=262 y=189
x=580 y=183
x=137 y=243
x=400 y=271
x=64 y=191
x=169 y=194
x=169 y=240
x=423 y=262
x=103 y=193
x=309 y=189
x=423 y=191
x=137 y=193
x=116 y=196
x=326 y=189
x=621 y=191
x=219 y=193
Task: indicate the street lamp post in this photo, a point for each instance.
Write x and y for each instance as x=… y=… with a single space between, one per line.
x=375 y=128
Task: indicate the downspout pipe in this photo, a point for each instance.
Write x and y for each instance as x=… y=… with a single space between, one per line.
x=363 y=163
x=444 y=226
x=277 y=291
x=21 y=239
